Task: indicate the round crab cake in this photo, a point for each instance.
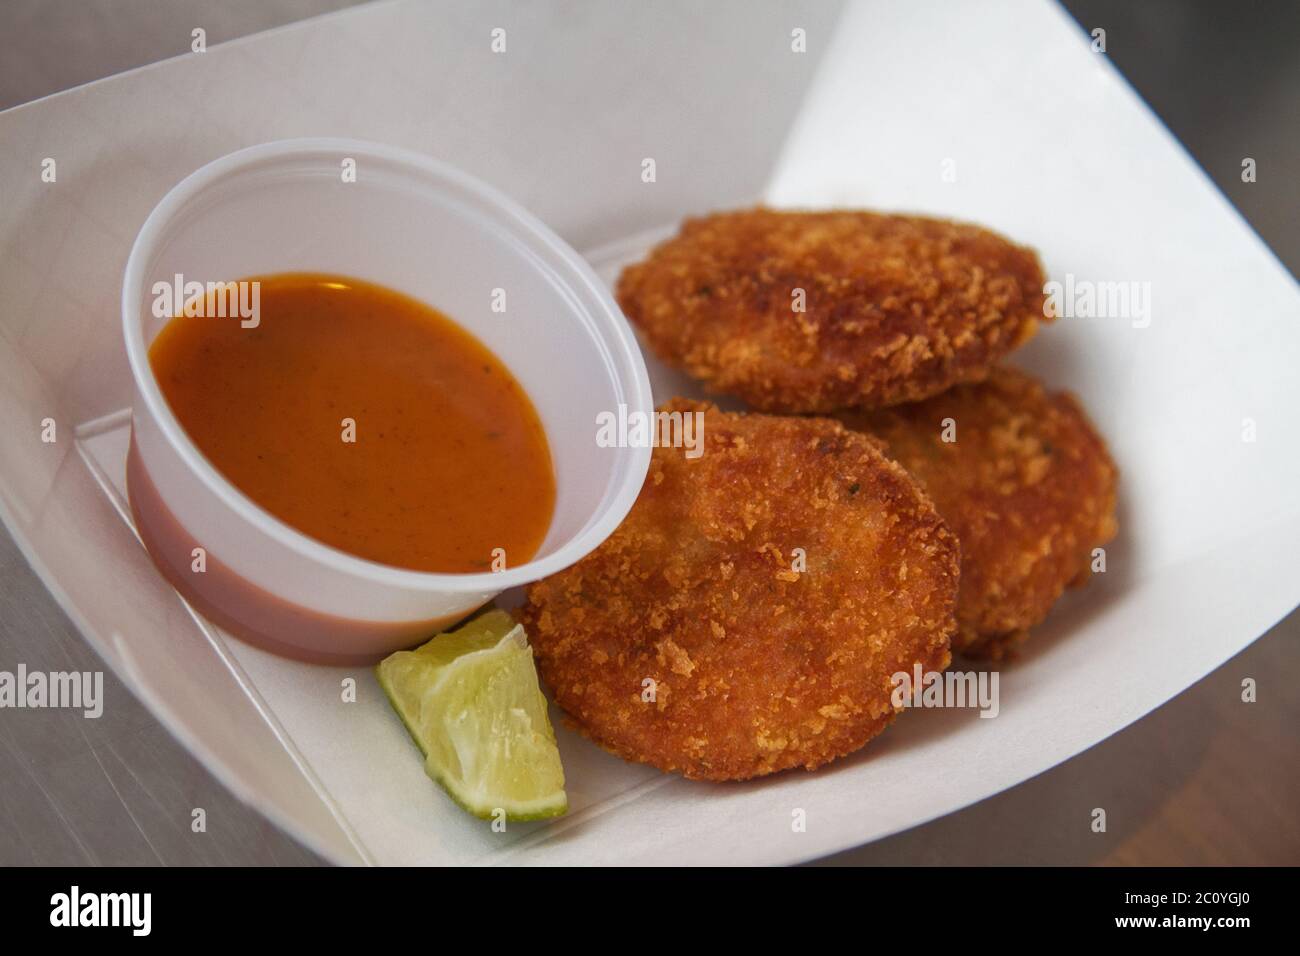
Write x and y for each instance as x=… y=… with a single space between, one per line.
x=1027 y=485
x=819 y=311
x=749 y=614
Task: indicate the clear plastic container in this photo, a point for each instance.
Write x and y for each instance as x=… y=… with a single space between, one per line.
x=434 y=233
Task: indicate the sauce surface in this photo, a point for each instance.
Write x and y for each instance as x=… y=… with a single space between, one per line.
x=449 y=461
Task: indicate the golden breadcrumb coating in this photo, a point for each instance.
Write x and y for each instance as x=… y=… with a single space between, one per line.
x=1028 y=486
x=756 y=659
x=897 y=308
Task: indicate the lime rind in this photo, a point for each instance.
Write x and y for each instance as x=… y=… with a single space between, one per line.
x=471 y=700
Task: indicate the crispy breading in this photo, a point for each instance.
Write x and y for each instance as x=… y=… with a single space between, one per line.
x=895 y=308
x=1028 y=486
x=749 y=613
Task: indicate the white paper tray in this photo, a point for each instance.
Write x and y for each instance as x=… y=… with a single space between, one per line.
x=1049 y=146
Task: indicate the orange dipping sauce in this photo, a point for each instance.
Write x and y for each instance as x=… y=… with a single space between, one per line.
x=447 y=469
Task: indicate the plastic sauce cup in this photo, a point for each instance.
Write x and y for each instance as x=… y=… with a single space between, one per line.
x=402 y=220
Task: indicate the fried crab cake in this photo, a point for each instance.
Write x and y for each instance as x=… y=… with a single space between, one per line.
x=1027 y=485
x=749 y=613
x=894 y=308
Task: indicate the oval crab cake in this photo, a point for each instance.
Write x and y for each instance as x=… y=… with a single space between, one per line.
x=749 y=613
x=1027 y=485
x=895 y=308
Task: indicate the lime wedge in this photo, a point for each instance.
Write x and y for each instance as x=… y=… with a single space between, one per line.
x=471 y=701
